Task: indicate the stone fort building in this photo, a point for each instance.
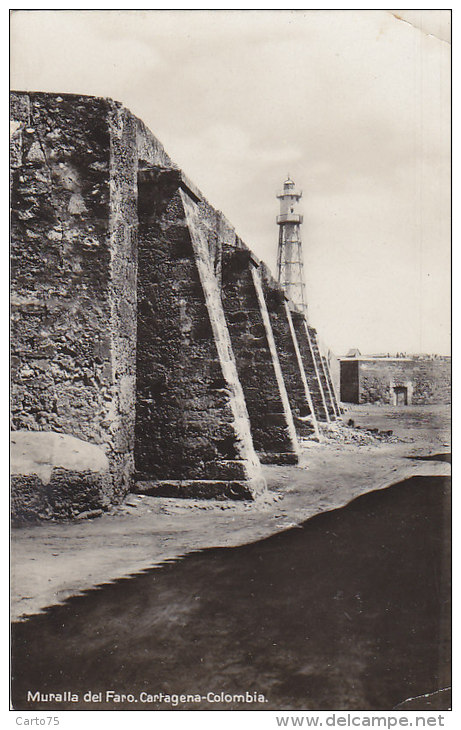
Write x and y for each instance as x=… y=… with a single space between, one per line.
x=151 y=350
x=397 y=381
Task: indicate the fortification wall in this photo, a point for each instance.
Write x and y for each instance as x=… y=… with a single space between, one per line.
x=60 y=256
x=428 y=381
x=290 y=358
x=66 y=278
x=133 y=332
x=349 y=381
x=322 y=373
x=258 y=367
x=191 y=437
x=310 y=366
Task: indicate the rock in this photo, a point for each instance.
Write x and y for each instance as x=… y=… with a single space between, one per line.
x=38 y=452
x=56 y=476
x=89 y=514
x=76 y=205
x=35 y=153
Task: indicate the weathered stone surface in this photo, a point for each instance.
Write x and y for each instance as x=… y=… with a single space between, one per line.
x=292 y=368
x=73 y=303
x=186 y=423
x=196 y=489
x=279 y=458
x=40 y=452
x=256 y=361
x=327 y=395
x=77 y=303
x=120 y=270
x=310 y=366
x=426 y=380
x=57 y=476
x=331 y=386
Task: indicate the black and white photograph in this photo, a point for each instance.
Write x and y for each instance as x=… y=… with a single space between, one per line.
x=230 y=363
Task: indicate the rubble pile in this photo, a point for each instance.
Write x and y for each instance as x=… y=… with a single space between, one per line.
x=352 y=434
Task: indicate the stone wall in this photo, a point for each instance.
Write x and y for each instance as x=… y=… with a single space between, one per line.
x=77 y=300
x=322 y=375
x=186 y=437
x=331 y=388
x=427 y=381
x=335 y=374
x=349 y=381
x=310 y=366
x=60 y=259
x=289 y=357
x=142 y=326
x=66 y=277
x=271 y=420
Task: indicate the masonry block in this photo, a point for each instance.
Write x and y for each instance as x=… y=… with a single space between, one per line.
x=56 y=476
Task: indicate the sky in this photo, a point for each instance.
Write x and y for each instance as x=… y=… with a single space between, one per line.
x=354 y=105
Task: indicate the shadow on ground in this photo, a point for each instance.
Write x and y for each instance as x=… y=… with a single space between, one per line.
x=445 y=457
x=348 y=611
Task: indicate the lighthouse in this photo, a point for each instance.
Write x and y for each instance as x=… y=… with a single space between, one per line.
x=290 y=272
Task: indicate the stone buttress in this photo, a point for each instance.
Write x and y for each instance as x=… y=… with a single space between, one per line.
x=289 y=355
x=312 y=335
x=331 y=387
x=76 y=302
x=192 y=432
x=150 y=349
x=310 y=366
x=272 y=426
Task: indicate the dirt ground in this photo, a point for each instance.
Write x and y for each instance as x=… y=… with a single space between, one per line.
x=311 y=618
x=53 y=561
